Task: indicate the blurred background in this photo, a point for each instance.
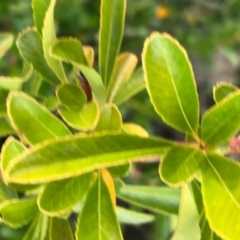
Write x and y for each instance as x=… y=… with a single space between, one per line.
x=209 y=30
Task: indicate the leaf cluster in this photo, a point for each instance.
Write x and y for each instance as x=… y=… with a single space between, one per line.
x=69 y=146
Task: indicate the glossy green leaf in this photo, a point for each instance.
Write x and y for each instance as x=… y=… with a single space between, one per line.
x=71 y=96
x=38 y=228
x=60 y=229
x=3 y=98
x=110 y=35
x=85 y=120
x=97 y=220
x=222 y=120
x=221 y=195
x=18 y=212
x=223 y=89
x=188 y=220
x=48 y=37
x=126 y=216
x=6 y=193
x=123 y=69
x=170 y=82
x=5 y=128
x=71 y=49
x=14 y=83
x=33 y=120
x=110 y=118
x=60 y=197
x=10 y=149
x=6 y=41
x=134 y=85
x=91 y=75
x=206 y=232
x=39 y=11
x=72 y=156
x=30 y=47
x=157 y=199
x=180 y=164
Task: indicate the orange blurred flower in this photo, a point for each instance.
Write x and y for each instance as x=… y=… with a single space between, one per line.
x=162 y=12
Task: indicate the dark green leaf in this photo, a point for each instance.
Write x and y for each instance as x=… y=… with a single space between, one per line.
x=60 y=229
x=30 y=46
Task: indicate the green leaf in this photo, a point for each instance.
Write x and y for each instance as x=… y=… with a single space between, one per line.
x=91 y=75
x=170 y=83
x=110 y=35
x=5 y=128
x=206 y=231
x=180 y=164
x=10 y=149
x=6 y=41
x=71 y=96
x=157 y=199
x=223 y=89
x=3 y=98
x=18 y=212
x=60 y=197
x=221 y=195
x=60 y=229
x=48 y=37
x=39 y=10
x=85 y=120
x=123 y=69
x=52 y=103
x=188 y=220
x=6 y=193
x=222 y=120
x=97 y=220
x=134 y=85
x=126 y=216
x=38 y=228
x=110 y=118
x=30 y=47
x=71 y=49
x=33 y=120
x=13 y=83
x=72 y=156
x=121 y=170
